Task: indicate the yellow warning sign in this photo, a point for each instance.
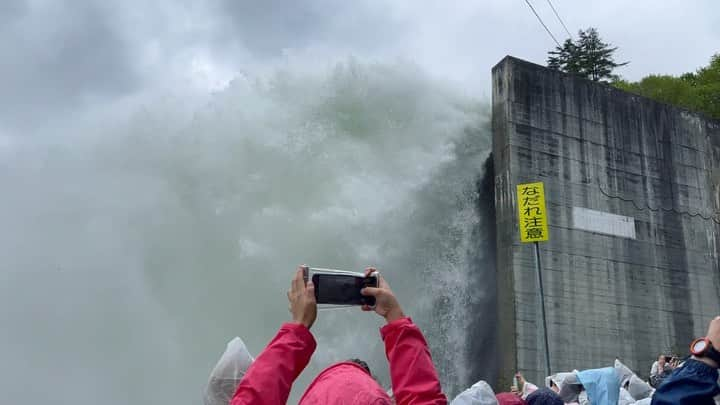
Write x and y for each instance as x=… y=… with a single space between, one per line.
x=532 y=214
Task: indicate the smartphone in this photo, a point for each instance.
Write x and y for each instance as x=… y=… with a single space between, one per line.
x=343 y=289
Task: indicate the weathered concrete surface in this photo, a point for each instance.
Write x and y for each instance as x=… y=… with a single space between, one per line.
x=606 y=296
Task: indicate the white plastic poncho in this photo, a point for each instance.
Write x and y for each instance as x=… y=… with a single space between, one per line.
x=623 y=371
x=637 y=388
x=227 y=373
x=625 y=398
x=568 y=385
x=583 y=398
x=479 y=394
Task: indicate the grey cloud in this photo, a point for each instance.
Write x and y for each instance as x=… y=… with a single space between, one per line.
x=58 y=58
x=267 y=28
x=11 y=9
x=66 y=57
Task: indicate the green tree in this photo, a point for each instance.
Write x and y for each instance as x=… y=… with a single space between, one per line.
x=698 y=91
x=706 y=83
x=565 y=58
x=588 y=57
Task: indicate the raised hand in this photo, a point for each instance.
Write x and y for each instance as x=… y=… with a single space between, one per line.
x=386 y=305
x=301 y=299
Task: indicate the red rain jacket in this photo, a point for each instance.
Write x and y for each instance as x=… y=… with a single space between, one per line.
x=414 y=379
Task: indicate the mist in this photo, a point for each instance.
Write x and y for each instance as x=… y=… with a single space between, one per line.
x=133 y=251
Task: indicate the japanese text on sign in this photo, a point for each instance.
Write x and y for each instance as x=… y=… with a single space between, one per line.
x=532 y=214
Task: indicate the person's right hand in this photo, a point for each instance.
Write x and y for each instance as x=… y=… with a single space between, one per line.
x=386 y=305
x=301 y=300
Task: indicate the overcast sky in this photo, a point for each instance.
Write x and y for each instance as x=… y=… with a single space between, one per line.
x=61 y=58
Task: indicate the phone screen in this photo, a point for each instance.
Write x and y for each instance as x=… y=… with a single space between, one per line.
x=341 y=289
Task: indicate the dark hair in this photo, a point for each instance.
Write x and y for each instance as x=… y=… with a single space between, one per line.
x=544 y=396
x=361 y=364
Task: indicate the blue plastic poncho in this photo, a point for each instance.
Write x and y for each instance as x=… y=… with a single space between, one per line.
x=602 y=385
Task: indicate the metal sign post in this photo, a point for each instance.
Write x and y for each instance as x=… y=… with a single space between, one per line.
x=532 y=215
x=542 y=309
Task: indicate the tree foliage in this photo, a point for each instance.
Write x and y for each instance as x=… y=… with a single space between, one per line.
x=588 y=57
x=698 y=91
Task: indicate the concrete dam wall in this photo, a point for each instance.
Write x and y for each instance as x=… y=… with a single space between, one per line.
x=633 y=194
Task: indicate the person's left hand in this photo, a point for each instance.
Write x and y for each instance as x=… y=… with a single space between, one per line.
x=302 y=300
x=386 y=305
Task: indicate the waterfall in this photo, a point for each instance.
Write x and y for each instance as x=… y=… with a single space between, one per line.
x=133 y=250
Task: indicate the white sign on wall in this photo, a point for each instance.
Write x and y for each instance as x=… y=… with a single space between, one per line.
x=603 y=222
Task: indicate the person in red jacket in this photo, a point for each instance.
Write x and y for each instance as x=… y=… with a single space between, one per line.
x=413 y=375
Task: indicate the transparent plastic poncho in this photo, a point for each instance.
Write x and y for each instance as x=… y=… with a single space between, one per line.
x=228 y=372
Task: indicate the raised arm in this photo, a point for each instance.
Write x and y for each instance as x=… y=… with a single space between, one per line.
x=413 y=375
x=695 y=383
x=270 y=378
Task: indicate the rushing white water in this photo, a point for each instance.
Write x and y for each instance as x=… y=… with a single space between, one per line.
x=130 y=254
